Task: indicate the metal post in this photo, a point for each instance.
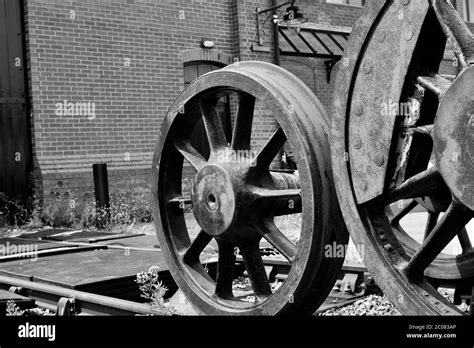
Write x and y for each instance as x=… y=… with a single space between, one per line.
x=471 y=307
x=101 y=187
x=276 y=37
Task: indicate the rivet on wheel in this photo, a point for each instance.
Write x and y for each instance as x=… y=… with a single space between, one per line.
x=359 y=110
x=357 y=143
x=382 y=36
x=368 y=68
x=379 y=159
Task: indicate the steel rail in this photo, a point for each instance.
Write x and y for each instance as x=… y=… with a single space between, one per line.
x=83 y=303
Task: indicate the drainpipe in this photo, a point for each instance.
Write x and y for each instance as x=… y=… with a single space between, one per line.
x=276 y=36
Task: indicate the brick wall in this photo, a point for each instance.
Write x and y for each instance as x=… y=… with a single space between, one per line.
x=123 y=57
x=123 y=60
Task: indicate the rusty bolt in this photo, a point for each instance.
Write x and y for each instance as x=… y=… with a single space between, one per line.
x=357 y=143
x=405 y=2
x=359 y=110
x=379 y=159
x=368 y=68
x=408 y=34
x=382 y=36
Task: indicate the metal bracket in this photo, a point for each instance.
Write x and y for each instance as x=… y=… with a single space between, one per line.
x=350 y=282
x=329 y=66
x=12 y=100
x=66 y=306
x=19 y=291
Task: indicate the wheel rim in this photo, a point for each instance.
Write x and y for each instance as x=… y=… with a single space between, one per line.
x=407 y=36
x=235 y=198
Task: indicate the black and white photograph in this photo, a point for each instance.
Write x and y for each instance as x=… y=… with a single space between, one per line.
x=214 y=172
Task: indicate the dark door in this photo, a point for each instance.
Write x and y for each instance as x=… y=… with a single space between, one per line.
x=198 y=137
x=15 y=144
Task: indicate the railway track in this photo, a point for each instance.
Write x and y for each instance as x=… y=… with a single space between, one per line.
x=67 y=302
x=93 y=273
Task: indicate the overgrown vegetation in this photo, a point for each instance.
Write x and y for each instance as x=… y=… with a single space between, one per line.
x=13 y=212
x=66 y=207
x=152 y=289
x=13 y=310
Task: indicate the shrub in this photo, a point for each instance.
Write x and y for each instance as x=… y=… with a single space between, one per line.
x=13 y=310
x=13 y=211
x=63 y=207
x=152 y=289
x=67 y=207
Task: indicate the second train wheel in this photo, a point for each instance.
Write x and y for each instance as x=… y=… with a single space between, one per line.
x=236 y=199
x=402 y=138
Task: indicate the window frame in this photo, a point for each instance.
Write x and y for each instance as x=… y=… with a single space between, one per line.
x=347 y=3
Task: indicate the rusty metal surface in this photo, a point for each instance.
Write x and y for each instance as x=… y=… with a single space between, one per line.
x=84 y=303
x=385 y=254
x=382 y=64
x=456 y=30
x=235 y=200
x=454 y=138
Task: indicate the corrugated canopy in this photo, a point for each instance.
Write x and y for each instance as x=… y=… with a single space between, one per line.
x=312 y=41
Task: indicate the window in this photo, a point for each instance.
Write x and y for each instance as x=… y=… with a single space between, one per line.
x=198 y=137
x=468 y=10
x=193 y=70
x=358 y=3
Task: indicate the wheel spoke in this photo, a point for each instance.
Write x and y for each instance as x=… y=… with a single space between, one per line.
x=465 y=241
x=180 y=200
x=452 y=222
x=405 y=211
x=270 y=150
x=256 y=270
x=196 y=248
x=277 y=202
x=263 y=194
x=243 y=123
x=225 y=270
x=430 y=224
x=275 y=237
x=456 y=30
x=435 y=83
x=213 y=125
x=422 y=130
x=190 y=153
x=420 y=185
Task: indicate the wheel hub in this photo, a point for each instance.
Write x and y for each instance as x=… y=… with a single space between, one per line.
x=454 y=138
x=214 y=199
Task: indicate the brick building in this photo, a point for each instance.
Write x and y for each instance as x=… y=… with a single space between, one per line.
x=101 y=74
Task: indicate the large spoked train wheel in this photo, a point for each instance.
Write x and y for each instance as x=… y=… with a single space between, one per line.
x=402 y=152
x=237 y=201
